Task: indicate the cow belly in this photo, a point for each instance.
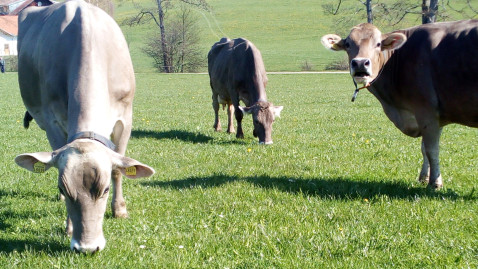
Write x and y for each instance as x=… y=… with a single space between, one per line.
x=403 y=119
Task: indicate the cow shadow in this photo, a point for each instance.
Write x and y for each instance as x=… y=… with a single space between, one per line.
x=196 y=138
x=21 y=245
x=331 y=188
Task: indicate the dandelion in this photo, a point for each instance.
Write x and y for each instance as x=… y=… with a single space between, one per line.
x=367 y=141
x=353 y=134
x=249 y=150
x=365 y=200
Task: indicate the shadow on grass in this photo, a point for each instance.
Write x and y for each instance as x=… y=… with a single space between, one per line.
x=195 y=138
x=334 y=188
x=52 y=248
x=172 y=134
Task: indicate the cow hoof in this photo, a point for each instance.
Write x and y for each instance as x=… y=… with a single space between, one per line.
x=438 y=184
x=231 y=131
x=423 y=179
x=121 y=214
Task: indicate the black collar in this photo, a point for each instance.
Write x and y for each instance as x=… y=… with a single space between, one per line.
x=94 y=136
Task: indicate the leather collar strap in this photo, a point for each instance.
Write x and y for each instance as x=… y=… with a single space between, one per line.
x=94 y=136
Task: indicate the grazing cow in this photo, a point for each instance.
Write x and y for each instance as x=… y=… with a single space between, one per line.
x=425 y=77
x=77 y=82
x=236 y=72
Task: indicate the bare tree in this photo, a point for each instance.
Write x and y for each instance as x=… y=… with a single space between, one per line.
x=162 y=5
x=429 y=11
x=469 y=10
x=180 y=46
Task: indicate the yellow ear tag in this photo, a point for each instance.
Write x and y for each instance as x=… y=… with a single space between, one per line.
x=39 y=167
x=131 y=171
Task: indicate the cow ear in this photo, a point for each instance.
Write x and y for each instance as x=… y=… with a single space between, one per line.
x=333 y=42
x=393 y=41
x=37 y=162
x=131 y=168
x=277 y=110
x=245 y=110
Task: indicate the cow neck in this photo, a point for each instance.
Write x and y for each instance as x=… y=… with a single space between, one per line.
x=258 y=92
x=93 y=136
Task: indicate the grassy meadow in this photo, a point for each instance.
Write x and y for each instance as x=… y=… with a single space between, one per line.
x=337 y=189
x=287 y=32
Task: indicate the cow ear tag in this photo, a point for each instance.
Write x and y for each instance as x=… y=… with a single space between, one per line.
x=39 y=167
x=131 y=171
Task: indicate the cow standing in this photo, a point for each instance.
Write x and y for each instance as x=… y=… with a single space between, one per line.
x=425 y=77
x=237 y=73
x=77 y=81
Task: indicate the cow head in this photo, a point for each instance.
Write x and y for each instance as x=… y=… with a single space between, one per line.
x=364 y=46
x=263 y=115
x=85 y=168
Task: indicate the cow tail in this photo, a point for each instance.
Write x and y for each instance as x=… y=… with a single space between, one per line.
x=27 y=119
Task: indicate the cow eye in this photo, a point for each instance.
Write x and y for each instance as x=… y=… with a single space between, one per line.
x=379 y=45
x=347 y=45
x=106 y=190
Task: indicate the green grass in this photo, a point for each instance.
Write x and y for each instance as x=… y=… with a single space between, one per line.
x=337 y=189
x=286 y=32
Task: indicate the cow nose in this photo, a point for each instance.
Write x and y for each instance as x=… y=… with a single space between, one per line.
x=88 y=248
x=360 y=63
x=361 y=67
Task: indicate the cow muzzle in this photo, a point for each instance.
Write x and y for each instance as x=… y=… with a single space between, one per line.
x=90 y=247
x=361 y=70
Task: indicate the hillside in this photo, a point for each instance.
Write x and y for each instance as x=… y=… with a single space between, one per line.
x=287 y=32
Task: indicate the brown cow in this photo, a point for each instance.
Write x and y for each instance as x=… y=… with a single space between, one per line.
x=236 y=72
x=425 y=77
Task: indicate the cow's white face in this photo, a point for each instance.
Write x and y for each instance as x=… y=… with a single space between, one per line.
x=85 y=168
x=263 y=115
x=363 y=46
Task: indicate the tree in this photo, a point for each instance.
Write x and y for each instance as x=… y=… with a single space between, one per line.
x=163 y=5
x=181 y=44
x=429 y=11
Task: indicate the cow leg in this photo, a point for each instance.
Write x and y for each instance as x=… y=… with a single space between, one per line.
x=425 y=172
x=215 y=106
x=121 y=134
x=118 y=204
x=239 y=116
x=230 y=123
x=431 y=141
x=69 y=226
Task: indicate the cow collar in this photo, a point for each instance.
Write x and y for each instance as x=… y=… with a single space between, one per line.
x=94 y=136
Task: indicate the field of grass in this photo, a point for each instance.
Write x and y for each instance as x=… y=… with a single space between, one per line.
x=287 y=32
x=337 y=189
